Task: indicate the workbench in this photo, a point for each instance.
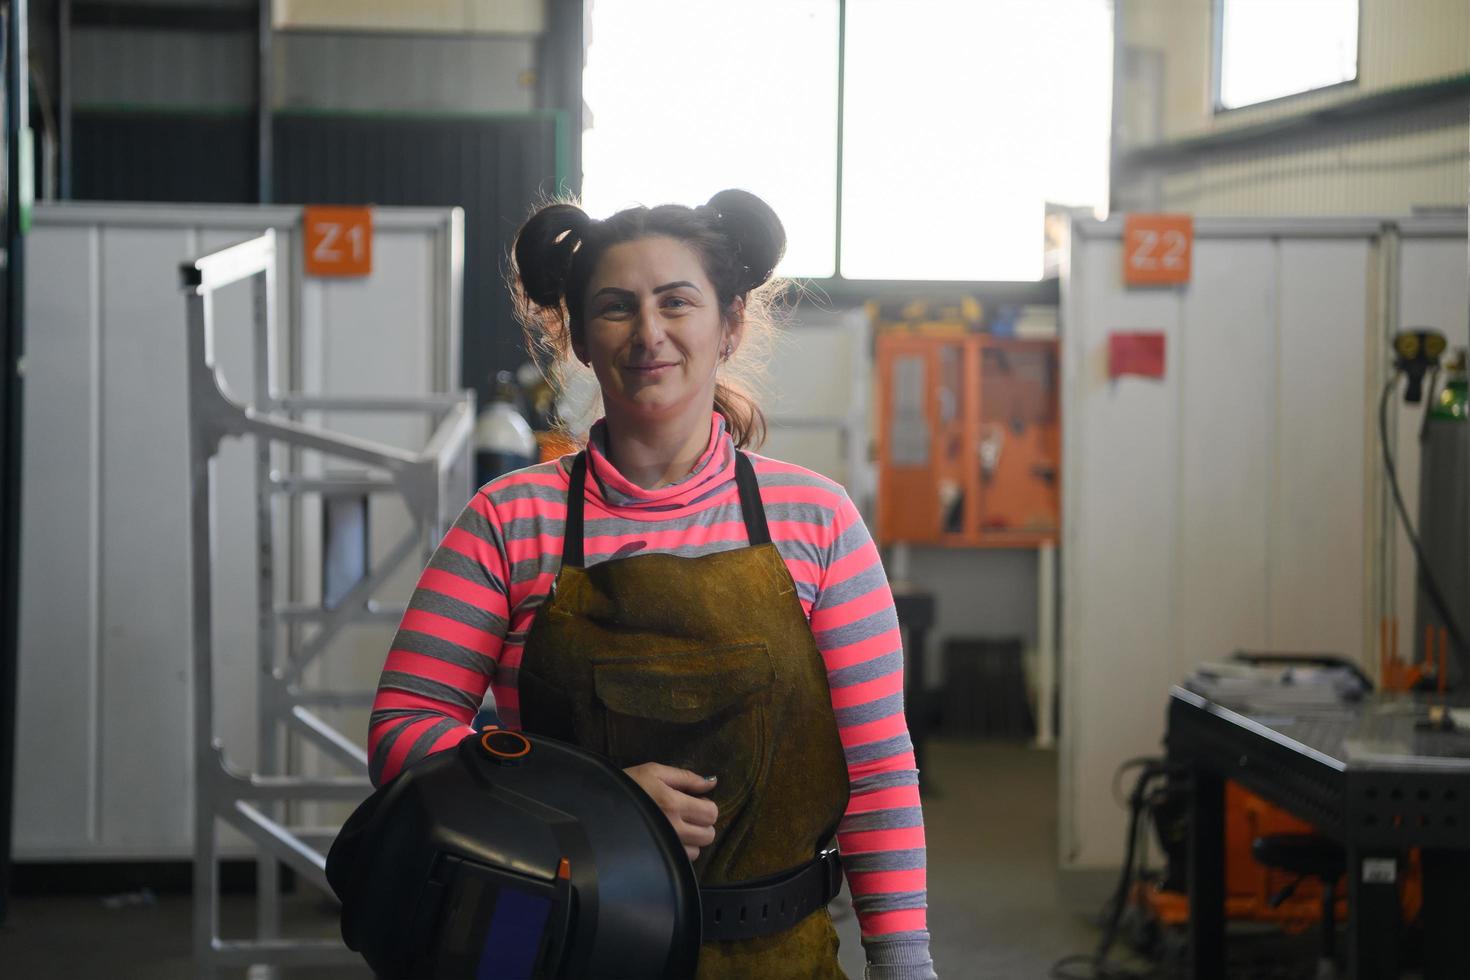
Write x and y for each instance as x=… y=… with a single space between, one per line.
x=1372 y=775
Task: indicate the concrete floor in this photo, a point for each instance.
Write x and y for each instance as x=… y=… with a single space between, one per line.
x=993 y=910
x=990 y=818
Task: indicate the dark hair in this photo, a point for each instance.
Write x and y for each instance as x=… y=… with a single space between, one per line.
x=737 y=236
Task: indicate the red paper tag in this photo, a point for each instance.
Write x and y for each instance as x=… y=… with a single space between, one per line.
x=1140 y=354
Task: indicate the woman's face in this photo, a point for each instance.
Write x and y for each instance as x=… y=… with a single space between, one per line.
x=654 y=334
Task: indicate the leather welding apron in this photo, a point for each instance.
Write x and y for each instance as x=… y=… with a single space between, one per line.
x=707 y=664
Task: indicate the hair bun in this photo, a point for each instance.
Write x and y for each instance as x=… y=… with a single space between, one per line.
x=544 y=248
x=755 y=229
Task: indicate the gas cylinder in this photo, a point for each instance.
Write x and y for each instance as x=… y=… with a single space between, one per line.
x=503 y=438
x=1444 y=503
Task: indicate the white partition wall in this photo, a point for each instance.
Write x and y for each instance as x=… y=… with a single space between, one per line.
x=104 y=757
x=1235 y=503
x=817 y=397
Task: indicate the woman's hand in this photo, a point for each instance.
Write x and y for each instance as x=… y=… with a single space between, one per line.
x=674 y=792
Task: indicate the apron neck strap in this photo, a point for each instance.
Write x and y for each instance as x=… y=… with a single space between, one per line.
x=745 y=480
x=571 y=547
x=750 y=501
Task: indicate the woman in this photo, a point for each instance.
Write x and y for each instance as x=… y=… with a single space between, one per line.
x=715 y=622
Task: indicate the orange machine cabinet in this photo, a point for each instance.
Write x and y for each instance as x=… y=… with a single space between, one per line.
x=969 y=440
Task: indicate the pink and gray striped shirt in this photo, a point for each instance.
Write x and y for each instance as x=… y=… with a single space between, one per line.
x=468 y=619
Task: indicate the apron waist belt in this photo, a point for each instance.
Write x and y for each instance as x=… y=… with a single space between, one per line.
x=765 y=906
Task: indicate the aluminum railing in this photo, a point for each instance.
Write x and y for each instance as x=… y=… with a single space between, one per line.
x=293 y=636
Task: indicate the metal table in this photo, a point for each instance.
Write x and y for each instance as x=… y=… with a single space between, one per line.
x=1370 y=775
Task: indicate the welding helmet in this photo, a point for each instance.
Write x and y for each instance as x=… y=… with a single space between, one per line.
x=515 y=856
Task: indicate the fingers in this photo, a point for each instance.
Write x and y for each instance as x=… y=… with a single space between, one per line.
x=694 y=837
x=692 y=817
x=682 y=779
x=694 y=809
x=695 y=834
x=671 y=789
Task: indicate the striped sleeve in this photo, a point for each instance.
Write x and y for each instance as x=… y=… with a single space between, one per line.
x=882 y=833
x=444 y=654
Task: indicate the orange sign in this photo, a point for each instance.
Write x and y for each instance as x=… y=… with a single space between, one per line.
x=339 y=241
x=1157 y=249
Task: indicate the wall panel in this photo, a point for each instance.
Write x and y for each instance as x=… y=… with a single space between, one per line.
x=1234 y=502
x=59 y=554
x=143 y=659
x=105 y=663
x=185 y=157
x=510 y=16
x=403 y=73
x=1416 y=159
x=163 y=68
x=1120 y=465
x=1319 y=491
x=1226 y=411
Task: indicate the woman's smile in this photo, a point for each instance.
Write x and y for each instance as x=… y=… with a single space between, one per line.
x=650 y=370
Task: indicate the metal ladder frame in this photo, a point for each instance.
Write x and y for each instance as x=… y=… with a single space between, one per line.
x=434 y=483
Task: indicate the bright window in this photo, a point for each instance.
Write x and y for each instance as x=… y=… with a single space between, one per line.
x=962 y=119
x=689 y=97
x=1269 y=49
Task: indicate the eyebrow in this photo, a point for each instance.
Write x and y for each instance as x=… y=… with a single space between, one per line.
x=657 y=289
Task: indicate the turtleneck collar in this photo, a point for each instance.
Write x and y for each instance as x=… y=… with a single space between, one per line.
x=615 y=491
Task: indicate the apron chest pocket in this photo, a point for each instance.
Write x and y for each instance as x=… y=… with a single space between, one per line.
x=702 y=710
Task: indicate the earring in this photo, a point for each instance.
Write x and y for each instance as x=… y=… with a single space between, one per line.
x=726 y=355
